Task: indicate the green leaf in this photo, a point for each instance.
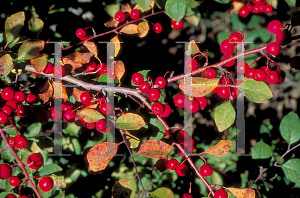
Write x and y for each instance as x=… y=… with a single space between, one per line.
x=162 y=192
x=4 y=194
x=224 y=116
x=36 y=25
x=236 y=23
x=255 y=20
x=262 y=33
x=111 y=9
x=33 y=129
x=291 y=170
x=161 y=4
x=124 y=188
x=60 y=195
x=76 y=145
x=290 y=128
x=256 y=91
x=192 y=4
x=49 y=169
x=176 y=9
x=103 y=79
x=8 y=155
x=262 y=151
x=266 y=128
x=291 y=3
x=13 y=25
x=6 y=64
x=1 y=37
x=29 y=49
x=193 y=16
x=144 y=3
x=14 y=42
x=222 y=36
x=130 y=121
x=72 y=129
x=223 y=1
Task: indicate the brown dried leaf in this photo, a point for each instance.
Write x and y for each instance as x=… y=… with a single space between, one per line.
x=119 y=69
x=200 y=86
x=143 y=29
x=192 y=48
x=92 y=48
x=116 y=41
x=130 y=29
x=6 y=64
x=242 y=192
x=220 y=149
x=112 y=23
x=64 y=93
x=46 y=91
x=126 y=8
x=76 y=93
x=39 y=63
x=77 y=59
x=100 y=155
x=155 y=148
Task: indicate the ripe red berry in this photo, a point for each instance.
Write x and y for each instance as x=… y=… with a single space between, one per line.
x=30 y=98
x=69 y=116
x=273 y=48
x=57 y=111
x=191 y=64
x=179 y=100
x=188 y=143
x=5 y=171
x=161 y=82
x=221 y=194
x=192 y=106
x=35 y=160
x=43 y=115
x=295 y=62
x=21 y=141
x=268 y=9
x=144 y=87
x=227 y=56
x=3 y=117
x=19 y=96
x=67 y=106
x=226 y=81
x=274 y=26
x=249 y=72
x=22 y=111
x=103 y=69
x=81 y=33
x=85 y=97
x=7 y=93
x=157 y=28
x=272 y=77
x=177 y=24
x=242 y=67
x=137 y=78
x=60 y=71
x=111 y=74
x=181 y=169
x=46 y=183
x=105 y=108
x=161 y=165
x=49 y=68
x=167 y=111
x=227 y=47
x=80 y=122
x=153 y=94
x=101 y=100
x=256 y=9
x=283 y=37
x=259 y=75
x=11 y=196
x=205 y=170
x=261 y=7
x=91 y=125
x=281 y=75
x=182 y=136
x=11 y=141
x=135 y=14
x=91 y=67
x=14 y=181
x=236 y=37
x=257 y=1
x=202 y=101
x=120 y=16
x=223 y=92
x=167 y=132
x=172 y=163
x=244 y=12
x=266 y=69
x=249 y=7
x=209 y=73
x=157 y=108
x=186 y=195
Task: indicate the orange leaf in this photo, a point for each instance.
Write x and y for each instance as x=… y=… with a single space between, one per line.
x=192 y=48
x=220 y=149
x=92 y=48
x=236 y=6
x=112 y=23
x=130 y=29
x=143 y=29
x=155 y=148
x=39 y=63
x=76 y=93
x=46 y=91
x=242 y=192
x=116 y=41
x=100 y=155
x=119 y=69
x=64 y=94
x=200 y=86
x=77 y=59
x=126 y=8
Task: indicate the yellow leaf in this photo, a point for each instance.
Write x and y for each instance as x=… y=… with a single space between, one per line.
x=155 y=148
x=92 y=48
x=143 y=29
x=242 y=192
x=200 y=86
x=130 y=29
x=220 y=149
x=192 y=48
x=116 y=41
x=119 y=69
x=134 y=141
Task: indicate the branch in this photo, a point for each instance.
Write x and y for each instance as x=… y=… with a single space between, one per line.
x=289 y=150
x=20 y=164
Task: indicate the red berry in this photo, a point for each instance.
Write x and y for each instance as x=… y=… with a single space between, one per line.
x=172 y=163
x=157 y=108
x=3 y=117
x=281 y=75
x=257 y=1
x=22 y=111
x=242 y=67
x=111 y=74
x=182 y=136
x=157 y=28
x=7 y=93
x=179 y=100
x=274 y=26
x=101 y=100
x=249 y=72
x=135 y=14
x=21 y=141
x=223 y=92
x=256 y=9
x=14 y=181
x=209 y=73
x=273 y=48
x=103 y=69
x=283 y=37
x=11 y=141
x=234 y=92
x=91 y=67
x=226 y=81
x=69 y=116
x=153 y=94
x=167 y=111
x=266 y=69
x=186 y=195
x=161 y=165
x=49 y=68
x=101 y=125
x=221 y=194
x=5 y=171
x=30 y=98
x=259 y=75
x=236 y=37
x=161 y=82
x=46 y=184
x=137 y=78
x=105 y=108
x=177 y=24
x=85 y=97
x=191 y=64
x=205 y=170
x=272 y=77
x=227 y=47
x=261 y=7
x=55 y=111
x=19 y=96
x=12 y=196
x=67 y=106
x=120 y=16
x=144 y=87
x=294 y=62
x=249 y=7
x=35 y=160
x=202 y=101
x=268 y=9
x=43 y=115
x=192 y=106
x=188 y=144
x=244 y=12
x=81 y=33
x=60 y=71
x=227 y=56
x=91 y=125
x=80 y=122
x=181 y=169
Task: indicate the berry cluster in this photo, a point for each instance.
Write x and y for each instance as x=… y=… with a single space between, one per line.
x=264 y=73
x=259 y=6
x=172 y=164
x=192 y=106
